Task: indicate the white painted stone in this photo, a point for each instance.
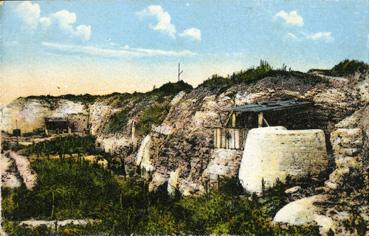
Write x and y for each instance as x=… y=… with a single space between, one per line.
x=273 y=153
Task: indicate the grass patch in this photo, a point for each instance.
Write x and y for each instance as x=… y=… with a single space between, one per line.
x=69 y=189
x=62 y=146
x=349 y=67
x=171 y=89
x=255 y=74
x=153 y=115
x=117 y=122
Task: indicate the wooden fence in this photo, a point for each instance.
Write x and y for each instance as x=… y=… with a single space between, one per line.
x=229 y=138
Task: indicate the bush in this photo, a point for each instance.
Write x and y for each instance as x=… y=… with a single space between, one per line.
x=117 y=121
x=64 y=190
x=171 y=89
x=80 y=190
x=153 y=115
x=62 y=146
x=254 y=74
x=217 y=82
x=243 y=76
x=349 y=67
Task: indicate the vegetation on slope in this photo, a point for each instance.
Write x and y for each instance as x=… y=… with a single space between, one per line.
x=349 y=67
x=344 y=68
x=71 y=189
x=82 y=98
x=254 y=74
x=62 y=146
x=167 y=89
x=148 y=108
x=117 y=121
x=153 y=115
x=171 y=88
x=68 y=189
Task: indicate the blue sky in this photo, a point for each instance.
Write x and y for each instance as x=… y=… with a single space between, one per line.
x=56 y=47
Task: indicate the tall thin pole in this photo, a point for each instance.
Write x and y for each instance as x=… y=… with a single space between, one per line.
x=179 y=71
x=1 y=174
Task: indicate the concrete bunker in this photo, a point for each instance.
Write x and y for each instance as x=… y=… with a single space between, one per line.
x=273 y=153
x=277 y=140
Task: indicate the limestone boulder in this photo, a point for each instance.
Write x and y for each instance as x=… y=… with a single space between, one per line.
x=305 y=211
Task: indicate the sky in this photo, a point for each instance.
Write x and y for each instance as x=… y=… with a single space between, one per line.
x=99 y=47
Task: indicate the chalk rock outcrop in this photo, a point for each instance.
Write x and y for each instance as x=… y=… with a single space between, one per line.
x=274 y=153
x=224 y=164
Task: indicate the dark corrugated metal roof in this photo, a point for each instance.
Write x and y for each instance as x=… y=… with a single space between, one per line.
x=271 y=106
x=55 y=119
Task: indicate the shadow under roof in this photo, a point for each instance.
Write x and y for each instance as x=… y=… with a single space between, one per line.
x=271 y=106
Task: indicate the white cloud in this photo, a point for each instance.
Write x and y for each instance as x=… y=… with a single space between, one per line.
x=122 y=52
x=192 y=33
x=326 y=36
x=292 y=36
x=291 y=18
x=83 y=31
x=66 y=20
x=45 y=22
x=163 y=18
x=29 y=12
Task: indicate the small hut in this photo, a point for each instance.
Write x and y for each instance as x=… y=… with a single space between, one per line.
x=246 y=117
x=56 y=125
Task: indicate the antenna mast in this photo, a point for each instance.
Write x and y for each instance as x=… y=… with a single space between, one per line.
x=179 y=71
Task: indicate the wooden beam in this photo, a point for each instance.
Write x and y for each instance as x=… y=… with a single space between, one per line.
x=260 y=119
x=233 y=120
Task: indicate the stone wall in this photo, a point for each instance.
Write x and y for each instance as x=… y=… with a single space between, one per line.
x=274 y=153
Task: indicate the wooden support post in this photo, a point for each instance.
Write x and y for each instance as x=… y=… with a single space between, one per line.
x=133 y=132
x=260 y=119
x=219 y=138
x=233 y=120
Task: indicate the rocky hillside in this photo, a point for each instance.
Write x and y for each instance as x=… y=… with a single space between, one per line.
x=171 y=143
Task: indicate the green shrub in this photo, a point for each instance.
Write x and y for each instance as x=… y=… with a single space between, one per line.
x=171 y=88
x=81 y=190
x=254 y=74
x=117 y=121
x=153 y=115
x=349 y=67
x=217 y=82
x=62 y=146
